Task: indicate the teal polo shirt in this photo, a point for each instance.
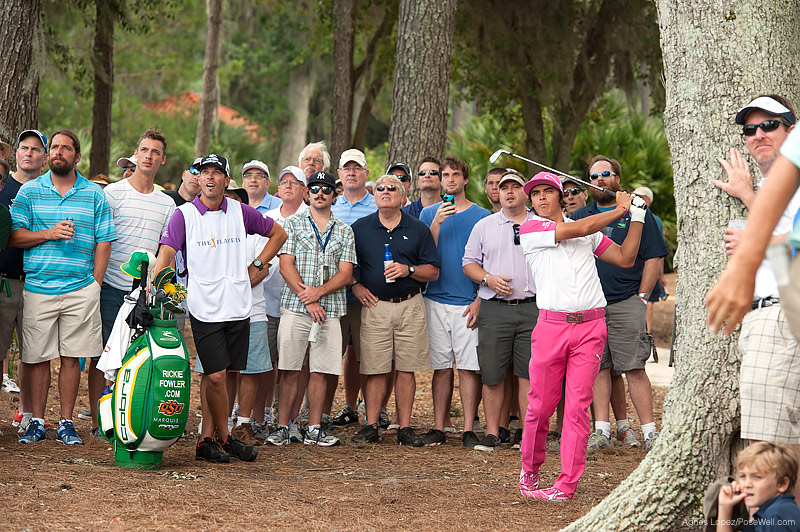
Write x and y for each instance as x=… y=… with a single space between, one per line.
x=49 y=267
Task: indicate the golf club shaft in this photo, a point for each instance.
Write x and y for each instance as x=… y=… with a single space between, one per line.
x=573 y=178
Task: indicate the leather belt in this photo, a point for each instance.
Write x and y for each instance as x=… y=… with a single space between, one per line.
x=573 y=317
x=400 y=299
x=765 y=302
x=513 y=301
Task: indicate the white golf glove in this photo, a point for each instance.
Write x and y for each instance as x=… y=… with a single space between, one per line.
x=638 y=209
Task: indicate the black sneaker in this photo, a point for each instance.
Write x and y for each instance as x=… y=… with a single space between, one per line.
x=345 y=416
x=407 y=436
x=488 y=443
x=517 y=439
x=367 y=434
x=434 y=437
x=503 y=436
x=210 y=451
x=240 y=450
x=469 y=439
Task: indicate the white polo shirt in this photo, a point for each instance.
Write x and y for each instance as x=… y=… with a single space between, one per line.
x=565 y=273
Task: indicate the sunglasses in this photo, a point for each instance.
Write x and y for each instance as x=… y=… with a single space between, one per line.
x=390 y=188
x=574 y=191
x=766 y=126
x=325 y=189
x=194 y=171
x=132 y=168
x=602 y=174
x=402 y=178
x=516 y=234
x=429 y=172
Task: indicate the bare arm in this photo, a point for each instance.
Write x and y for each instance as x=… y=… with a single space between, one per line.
x=166 y=257
x=102 y=252
x=740 y=183
x=277 y=236
x=650 y=274
x=444 y=211
x=25 y=238
x=592 y=224
x=423 y=273
x=625 y=255
x=498 y=283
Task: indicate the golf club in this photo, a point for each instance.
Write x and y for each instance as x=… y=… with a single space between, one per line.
x=496 y=155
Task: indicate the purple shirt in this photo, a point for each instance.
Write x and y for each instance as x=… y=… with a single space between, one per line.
x=175 y=235
x=491 y=246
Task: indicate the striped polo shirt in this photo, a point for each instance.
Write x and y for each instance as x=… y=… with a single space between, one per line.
x=350 y=212
x=49 y=267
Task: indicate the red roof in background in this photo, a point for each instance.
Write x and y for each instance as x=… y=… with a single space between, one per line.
x=189 y=102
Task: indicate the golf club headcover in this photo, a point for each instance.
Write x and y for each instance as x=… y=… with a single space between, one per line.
x=164 y=276
x=638 y=209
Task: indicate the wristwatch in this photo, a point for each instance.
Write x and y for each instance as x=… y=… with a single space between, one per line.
x=353 y=283
x=258 y=264
x=411 y=270
x=644 y=296
x=483 y=281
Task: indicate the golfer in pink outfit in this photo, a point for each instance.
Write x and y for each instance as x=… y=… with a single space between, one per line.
x=567 y=342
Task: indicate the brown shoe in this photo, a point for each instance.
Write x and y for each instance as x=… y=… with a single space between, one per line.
x=245 y=434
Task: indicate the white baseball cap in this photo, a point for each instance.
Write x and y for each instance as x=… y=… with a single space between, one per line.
x=255 y=164
x=295 y=171
x=353 y=155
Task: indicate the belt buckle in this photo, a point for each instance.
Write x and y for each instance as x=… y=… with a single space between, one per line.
x=574 y=317
x=513 y=302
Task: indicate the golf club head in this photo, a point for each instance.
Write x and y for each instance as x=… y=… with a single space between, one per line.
x=172 y=307
x=496 y=155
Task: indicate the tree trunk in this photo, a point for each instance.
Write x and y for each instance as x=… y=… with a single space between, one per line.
x=716 y=59
x=421 y=81
x=209 y=99
x=22 y=45
x=298 y=99
x=344 y=29
x=364 y=114
x=103 y=64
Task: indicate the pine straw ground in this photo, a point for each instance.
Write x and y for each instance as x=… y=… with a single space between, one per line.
x=48 y=486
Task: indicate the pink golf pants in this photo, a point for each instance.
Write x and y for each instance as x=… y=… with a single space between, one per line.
x=562 y=350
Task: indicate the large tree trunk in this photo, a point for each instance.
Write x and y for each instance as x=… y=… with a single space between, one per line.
x=344 y=21
x=21 y=42
x=421 y=81
x=103 y=64
x=209 y=100
x=297 y=99
x=716 y=59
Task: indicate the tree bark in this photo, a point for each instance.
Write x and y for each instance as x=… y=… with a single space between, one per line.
x=421 y=81
x=22 y=45
x=209 y=100
x=342 y=113
x=103 y=64
x=298 y=99
x=716 y=59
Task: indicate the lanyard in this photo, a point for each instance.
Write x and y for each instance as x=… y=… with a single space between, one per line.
x=319 y=237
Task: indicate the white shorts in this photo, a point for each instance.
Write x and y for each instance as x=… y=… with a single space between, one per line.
x=325 y=355
x=450 y=341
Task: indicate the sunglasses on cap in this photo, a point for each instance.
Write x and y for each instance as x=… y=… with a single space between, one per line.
x=325 y=189
x=402 y=178
x=390 y=188
x=194 y=171
x=516 y=234
x=430 y=172
x=574 y=191
x=766 y=126
x=602 y=174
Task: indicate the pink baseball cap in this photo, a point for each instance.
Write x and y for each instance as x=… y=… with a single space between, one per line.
x=543 y=178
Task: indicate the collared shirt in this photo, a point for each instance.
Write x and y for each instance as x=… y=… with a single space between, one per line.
x=350 y=212
x=491 y=246
x=38 y=206
x=779 y=514
x=268 y=203
x=315 y=266
x=274 y=282
x=414 y=208
x=10 y=257
x=410 y=242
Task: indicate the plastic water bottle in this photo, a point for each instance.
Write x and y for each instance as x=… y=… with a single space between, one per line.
x=313 y=334
x=387 y=260
x=69 y=244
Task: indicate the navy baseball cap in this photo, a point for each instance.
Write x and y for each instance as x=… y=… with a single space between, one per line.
x=214 y=160
x=33 y=132
x=323 y=178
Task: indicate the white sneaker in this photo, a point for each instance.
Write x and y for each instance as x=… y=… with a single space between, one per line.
x=317 y=436
x=9 y=386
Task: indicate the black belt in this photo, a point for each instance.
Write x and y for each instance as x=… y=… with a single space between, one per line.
x=765 y=302
x=400 y=299
x=514 y=301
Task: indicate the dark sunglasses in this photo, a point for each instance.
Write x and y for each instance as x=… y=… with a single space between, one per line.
x=602 y=174
x=766 y=126
x=132 y=168
x=516 y=234
x=430 y=172
x=402 y=178
x=325 y=189
x=574 y=191
x=390 y=188
x=194 y=171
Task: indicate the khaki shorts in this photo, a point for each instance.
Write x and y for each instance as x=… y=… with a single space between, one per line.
x=351 y=328
x=324 y=355
x=399 y=328
x=628 y=345
x=66 y=325
x=10 y=316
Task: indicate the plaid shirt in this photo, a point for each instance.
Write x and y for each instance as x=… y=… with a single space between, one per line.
x=310 y=261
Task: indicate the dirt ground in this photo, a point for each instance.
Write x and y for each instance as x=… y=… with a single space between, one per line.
x=48 y=486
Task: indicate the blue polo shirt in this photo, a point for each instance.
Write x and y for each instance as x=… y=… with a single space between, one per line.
x=414 y=208
x=10 y=258
x=779 y=514
x=619 y=283
x=350 y=212
x=49 y=268
x=411 y=243
x=268 y=203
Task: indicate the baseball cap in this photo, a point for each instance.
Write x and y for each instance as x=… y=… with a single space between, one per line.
x=402 y=166
x=214 y=160
x=295 y=171
x=256 y=164
x=512 y=175
x=768 y=105
x=33 y=132
x=644 y=192
x=543 y=178
x=124 y=162
x=352 y=155
x=323 y=178
x=566 y=180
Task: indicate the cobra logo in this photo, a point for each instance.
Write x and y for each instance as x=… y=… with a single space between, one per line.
x=169 y=408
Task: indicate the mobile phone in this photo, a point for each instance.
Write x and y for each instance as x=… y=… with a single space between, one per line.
x=448 y=198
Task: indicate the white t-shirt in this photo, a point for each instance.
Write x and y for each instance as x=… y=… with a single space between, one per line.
x=274 y=283
x=140 y=220
x=564 y=272
x=256 y=243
